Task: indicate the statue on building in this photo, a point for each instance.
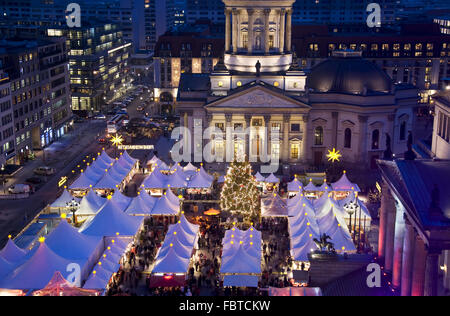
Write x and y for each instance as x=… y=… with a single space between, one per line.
x=258 y=69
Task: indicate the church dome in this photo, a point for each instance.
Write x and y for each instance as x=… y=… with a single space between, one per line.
x=348 y=73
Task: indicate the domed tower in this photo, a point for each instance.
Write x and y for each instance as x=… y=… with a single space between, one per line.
x=258 y=30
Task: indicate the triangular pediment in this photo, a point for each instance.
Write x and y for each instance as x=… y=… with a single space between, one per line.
x=258 y=97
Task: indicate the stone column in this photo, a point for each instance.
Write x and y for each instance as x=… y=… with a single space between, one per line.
x=419 y=265
x=248 y=123
x=409 y=243
x=250 y=13
x=267 y=135
x=289 y=31
x=282 y=29
x=235 y=31
x=432 y=273
x=266 y=30
x=229 y=137
x=398 y=248
x=286 y=126
x=305 y=148
x=335 y=116
x=390 y=232
x=363 y=138
x=382 y=224
x=227 y=30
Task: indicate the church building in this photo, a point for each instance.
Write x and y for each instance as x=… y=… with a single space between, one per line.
x=345 y=103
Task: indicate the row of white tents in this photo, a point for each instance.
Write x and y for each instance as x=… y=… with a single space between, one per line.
x=178 y=178
x=310 y=219
x=74 y=253
x=174 y=256
x=142 y=205
x=241 y=252
x=106 y=173
x=342 y=185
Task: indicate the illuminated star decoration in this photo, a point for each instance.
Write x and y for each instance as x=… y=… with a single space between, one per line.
x=117 y=140
x=334 y=155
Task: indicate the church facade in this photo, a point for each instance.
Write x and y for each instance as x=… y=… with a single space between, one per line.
x=345 y=103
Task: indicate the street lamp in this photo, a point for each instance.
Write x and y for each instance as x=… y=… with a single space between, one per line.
x=73 y=207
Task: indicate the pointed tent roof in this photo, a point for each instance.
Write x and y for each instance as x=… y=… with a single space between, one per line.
x=156 y=180
x=68 y=243
x=106 y=158
x=83 y=182
x=190 y=168
x=128 y=158
x=176 y=180
x=310 y=187
x=65 y=198
x=295 y=185
x=121 y=169
x=12 y=253
x=110 y=180
x=164 y=206
x=121 y=200
x=205 y=175
x=109 y=221
x=141 y=205
x=274 y=205
x=154 y=160
x=200 y=180
x=300 y=205
x=188 y=227
x=171 y=263
x=184 y=237
x=259 y=177
x=100 y=165
x=172 y=197
x=340 y=237
x=326 y=204
x=300 y=251
x=240 y=262
x=272 y=179
x=59 y=286
x=93 y=173
x=38 y=270
x=90 y=204
x=344 y=184
x=324 y=187
x=181 y=249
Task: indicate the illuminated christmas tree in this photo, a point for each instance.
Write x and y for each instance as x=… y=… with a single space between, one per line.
x=240 y=194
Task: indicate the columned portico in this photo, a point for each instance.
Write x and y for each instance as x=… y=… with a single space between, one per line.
x=418 y=275
x=227 y=30
x=235 y=31
x=282 y=30
x=432 y=273
x=289 y=31
x=266 y=31
x=409 y=243
x=250 y=13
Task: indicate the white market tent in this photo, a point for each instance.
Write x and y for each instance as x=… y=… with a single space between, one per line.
x=156 y=162
x=177 y=179
x=272 y=179
x=295 y=186
x=274 y=206
x=190 y=170
x=164 y=206
x=67 y=242
x=64 y=199
x=324 y=188
x=39 y=270
x=12 y=253
x=141 y=205
x=110 y=221
x=95 y=283
x=171 y=263
x=172 y=197
x=121 y=200
x=83 y=182
x=259 y=177
x=200 y=180
x=344 y=184
x=240 y=262
x=156 y=180
x=189 y=228
x=310 y=187
x=241 y=252
x=132 y=161
x=90 y=204
x=110 y=180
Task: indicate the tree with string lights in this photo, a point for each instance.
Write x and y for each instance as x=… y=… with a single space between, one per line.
x=240 y=195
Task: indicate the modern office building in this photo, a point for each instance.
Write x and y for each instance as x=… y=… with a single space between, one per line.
x=98 y=59
x=205 y=10
x=39 y=80
x=7 y=148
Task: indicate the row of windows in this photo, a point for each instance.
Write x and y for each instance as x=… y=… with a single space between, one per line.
x=319 y=138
